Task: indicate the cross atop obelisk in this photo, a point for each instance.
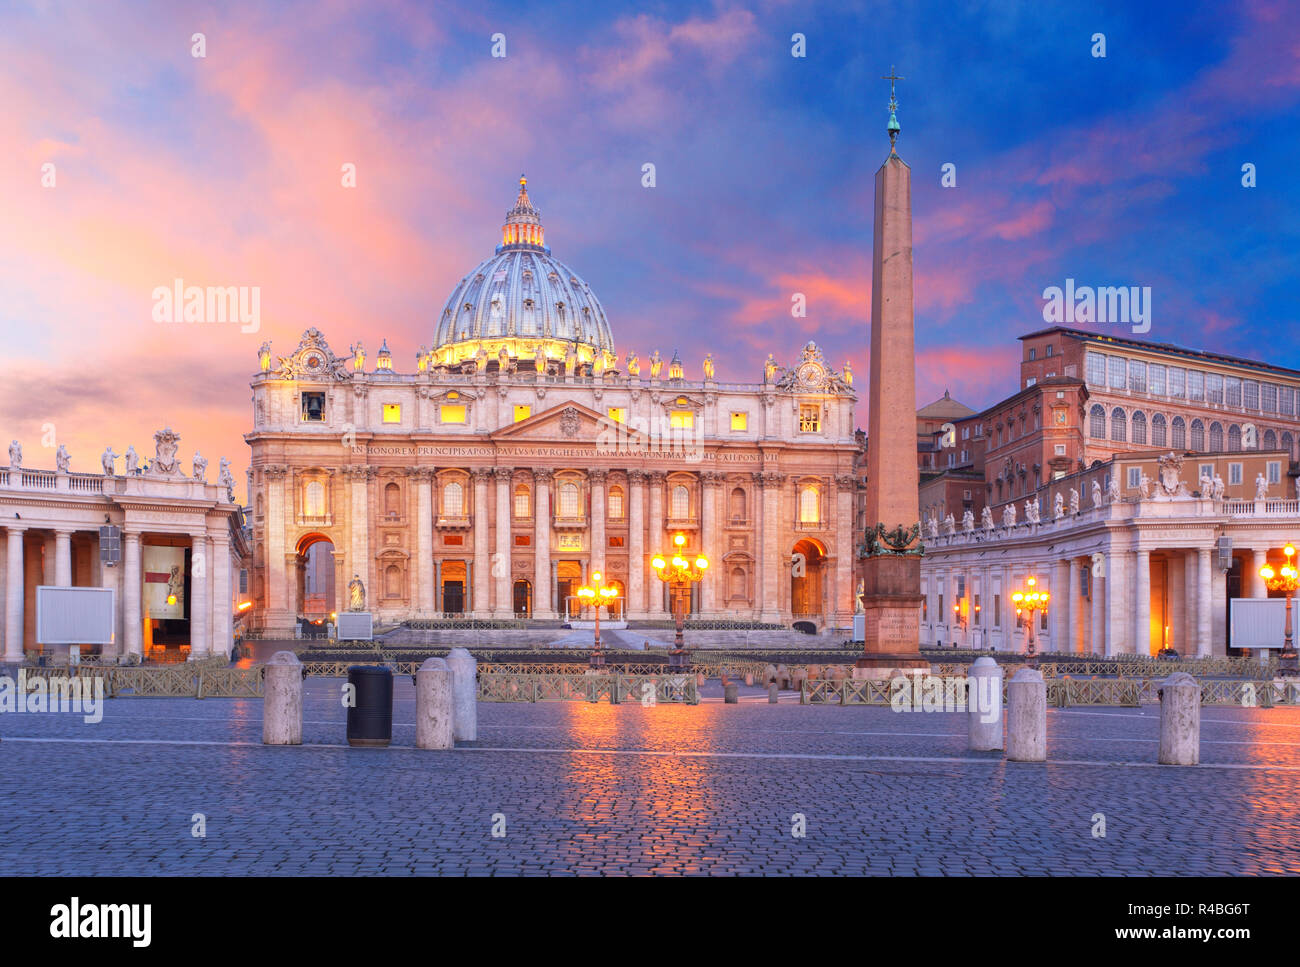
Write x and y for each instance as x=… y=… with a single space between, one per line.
x=893 y=77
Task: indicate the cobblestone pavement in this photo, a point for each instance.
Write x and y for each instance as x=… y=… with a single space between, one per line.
x=630 y=790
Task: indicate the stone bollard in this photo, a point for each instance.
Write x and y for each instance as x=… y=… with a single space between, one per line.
x=773 y=693
x=1027 y=717
x=731 y=693
x=783 y=676
x=282 y=704
x=1180 y=720
x=464 y=694
x=769 y=674
x=984 y=705
x=749 y=679
x=434 y=716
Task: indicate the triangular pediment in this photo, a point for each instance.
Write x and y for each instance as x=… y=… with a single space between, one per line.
x=566 y=422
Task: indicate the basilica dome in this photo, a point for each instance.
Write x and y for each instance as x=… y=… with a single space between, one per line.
x=523 y=303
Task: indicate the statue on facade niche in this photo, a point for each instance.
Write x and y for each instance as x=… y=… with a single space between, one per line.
x=633 y=365
x=132 y=460
x=932 y=527
x=1207 y=485
x=708 y=365
x=15 y=456
x=1112 y=490
x=1261 y=487
x=200 y=469
x=769 y=369
x=1058 y=506
x=1032 y=513
x=858 y=607
x=226 y=479
x=62 y=459
x=1009 y=515
x=356 y=594
x=968 y=521
x=1074 y=501
x=986 y=518
x=949 y=526
x=1144 y=486
x=108 y=461
x=1219 y=487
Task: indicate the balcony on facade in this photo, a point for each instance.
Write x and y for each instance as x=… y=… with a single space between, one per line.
x=462 y=523
x=571 y=522
x=682 y=523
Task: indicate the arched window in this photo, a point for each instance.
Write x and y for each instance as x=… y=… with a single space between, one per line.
x=393 y=581
x=737 y=509
x=259 y=505
x=1178 y=433
x=1158 y=430
x=1118 y=424
x=809 y=505
x=1288 y=444
x=453 y=500
x=523 y=502
x=1198 y=435
x=313 y=499
x=1270 y=440
x=681 y=506
x=1234 y=438
x=736 y=586
x=1097 y=422
x=569 y=500
x=392 y=500
x=1216 y=436
x=1140 y=427
x=615 y=503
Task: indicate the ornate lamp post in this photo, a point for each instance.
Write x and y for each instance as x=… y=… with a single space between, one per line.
x=1286 y=579
x=1031 y=599
x=598 y=595
x=677 y=571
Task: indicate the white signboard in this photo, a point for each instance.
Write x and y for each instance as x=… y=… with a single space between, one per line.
x=1258 y=622
x=164 y=581
x=859 y=627
x=74 y=616
x=355 y=626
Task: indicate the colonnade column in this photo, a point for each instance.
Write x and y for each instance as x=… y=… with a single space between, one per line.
x=132 y=631
x=200 y=596
x=658 y=542
x=636 y=556
x=596 y=480
x=14 y=594
x=1119 y=620
x=480 y=582
x=1097 y=587
x=1074 y=621
x=1059 y=606
x=277 y=580
x=423 y=480
x=504 y=605
x=774 y=568
x=542 y=580
x=222 y=593
x=1257 y=588
x=842 y=605
x=709 y=544
x=63 y=558
x=1142 y=606
x=1204 y=582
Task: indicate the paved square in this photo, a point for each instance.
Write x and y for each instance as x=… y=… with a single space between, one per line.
x=630 y=790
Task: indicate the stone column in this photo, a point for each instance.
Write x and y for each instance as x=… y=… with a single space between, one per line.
x=658 y=540
x=1142 y=603
x=542 y=583
x=278 y=617
x=709 y=542
x=636 y=553
x=504 y=604
x=1119 y=619
x=1058 y=606
x=422 y=479
x=1256 y=586
x=1097 y=587
x=222 y=593
x=132 y=631
x=14 y=587
x=596 y=479
x=757 y=527
x=1204 y=583
x=481 y=565
x=63 y=558
x=1074 y=622
x=200 y=596
x=775 y=566
x=845 y=552
x=111 y=577
x=1218 y=612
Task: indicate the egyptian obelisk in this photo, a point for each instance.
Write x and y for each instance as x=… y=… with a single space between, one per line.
x=891 y=565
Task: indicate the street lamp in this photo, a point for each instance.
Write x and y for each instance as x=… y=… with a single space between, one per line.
x=600 y=595
x=676 y=570
x=1031 y=600
x=1284 y=580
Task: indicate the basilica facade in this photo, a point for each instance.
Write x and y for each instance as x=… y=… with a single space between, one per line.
x=523 y=452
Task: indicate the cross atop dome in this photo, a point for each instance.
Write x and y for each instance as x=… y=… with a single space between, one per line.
x=523 y=227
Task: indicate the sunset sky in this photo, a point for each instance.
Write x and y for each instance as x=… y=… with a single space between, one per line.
x=226 y=170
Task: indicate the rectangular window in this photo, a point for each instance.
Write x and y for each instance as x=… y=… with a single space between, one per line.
x=975 y=598
x=1058 y=474
x=1134 y=477
x=1118 y=372
x=1286 y=400
x=1206 y=470
x=453 y=540
x=810 y=418
x=1250 y=394
x=523 y=540
x=1176 y=380
x=1268 y=398
x=739 y=422
x=1274 y=472
x=681 y=419
x=568 y=542
x=1033 y=353
x=1137 y=376
x=616 y=504
x=1060 y=449
x=1234 y=473
x=1195 y=384
x=451 y=413
x=313 y=407
x=243 y=580
x=1096 y=367
x=392 y=412
x=979 y=430
x=1030 y=382
x=615 y=541
x=1232 y=391
x=522 y=412
x=1049 y=350
x=1213 y=388
x=997 y=610
x=617 y=413
x=1156 y=379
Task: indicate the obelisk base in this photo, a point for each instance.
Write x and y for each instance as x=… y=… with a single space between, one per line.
x=891 y=605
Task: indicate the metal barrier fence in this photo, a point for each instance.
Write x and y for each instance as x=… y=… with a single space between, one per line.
x=1061 y=692
x=200 y=679
x=658 y=689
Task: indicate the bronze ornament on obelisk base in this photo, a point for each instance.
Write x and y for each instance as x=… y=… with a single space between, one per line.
x=891 y=553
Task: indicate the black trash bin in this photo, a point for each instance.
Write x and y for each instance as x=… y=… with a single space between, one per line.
x=370 y=720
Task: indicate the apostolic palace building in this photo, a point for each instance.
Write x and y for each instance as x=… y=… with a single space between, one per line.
x=525 y=451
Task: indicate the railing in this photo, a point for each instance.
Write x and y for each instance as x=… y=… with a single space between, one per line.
x=212 y=678
x=82 y=483
x=571 y=686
